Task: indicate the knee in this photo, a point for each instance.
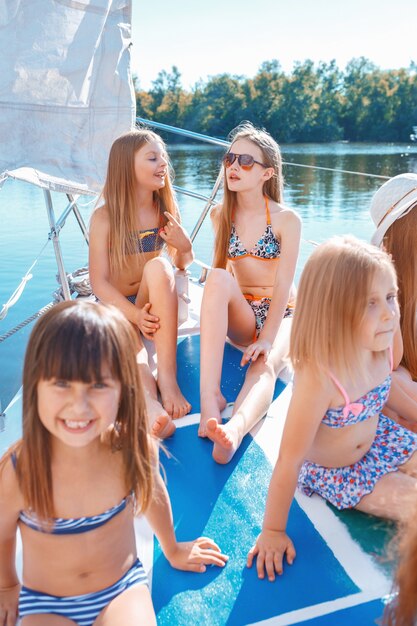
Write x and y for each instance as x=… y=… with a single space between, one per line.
x=263 y=369
x=218 y=280
x=158 y=268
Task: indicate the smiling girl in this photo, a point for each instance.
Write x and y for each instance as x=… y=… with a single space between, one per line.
x=85 y=466
x=127 y=237
x=249 y=296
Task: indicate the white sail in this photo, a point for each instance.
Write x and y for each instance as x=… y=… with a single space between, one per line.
x=65 y=85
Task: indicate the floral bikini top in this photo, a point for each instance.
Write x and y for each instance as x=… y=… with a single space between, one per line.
x=267 y=247
x=362 y=409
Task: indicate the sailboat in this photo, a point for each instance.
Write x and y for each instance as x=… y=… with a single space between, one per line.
x=64 y=98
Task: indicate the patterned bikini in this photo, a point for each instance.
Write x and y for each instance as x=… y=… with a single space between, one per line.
x=82 y=609
x=267 y=248
x=146 y=241
x=392 y=446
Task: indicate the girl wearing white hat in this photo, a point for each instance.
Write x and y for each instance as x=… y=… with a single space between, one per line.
x=394 y=212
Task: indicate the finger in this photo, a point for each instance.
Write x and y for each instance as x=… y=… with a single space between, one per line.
x=269 y=566
x=163 y=234
x=260 y=565
x=206 y=542
x=213 y=559
x=290 y=554
x=171 y=219
x=148 y=317
x=251 y=555
x=278 y=563
x=147 y=307
x=196 y=567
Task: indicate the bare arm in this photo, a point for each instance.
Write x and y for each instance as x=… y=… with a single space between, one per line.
x=99 y=267
x=186 y=555
x=284 y=277
x=308 y=404
x=9 y=512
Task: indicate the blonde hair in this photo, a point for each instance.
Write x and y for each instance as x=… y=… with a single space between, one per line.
x=400 y=241
x=273 y=188
x=331 y=302
x=119 y=194
x=73 y=341
x=402 y=611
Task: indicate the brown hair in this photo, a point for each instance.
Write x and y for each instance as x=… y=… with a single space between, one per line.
x=331 y=301
x=120 y=198
x=273 y=188
x=400 y=241
x=73 y=341
x=402 y=611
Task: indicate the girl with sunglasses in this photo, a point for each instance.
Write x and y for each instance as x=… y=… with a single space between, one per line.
x=128 y=234
x=249 y=295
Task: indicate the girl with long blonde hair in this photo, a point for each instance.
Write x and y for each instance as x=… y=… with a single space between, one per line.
x=394 y=212
x=85 y=466
x=249 y=295
x=336 y=441
x=128 y=234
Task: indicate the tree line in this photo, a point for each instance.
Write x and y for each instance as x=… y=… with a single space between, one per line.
x=313 y=103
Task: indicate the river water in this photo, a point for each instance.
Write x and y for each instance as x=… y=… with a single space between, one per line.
x=328 y=202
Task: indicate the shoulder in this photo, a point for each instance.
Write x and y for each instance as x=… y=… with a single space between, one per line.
x=100 y=223
x=215 y=213
x=281 y=214
x=10 y=494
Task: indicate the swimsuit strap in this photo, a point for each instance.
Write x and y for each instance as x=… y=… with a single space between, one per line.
x=340 y=388
x=391 y=358
x=268 y=214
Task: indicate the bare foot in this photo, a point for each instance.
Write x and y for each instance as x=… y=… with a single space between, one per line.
x=226 y=442
x=173 y=401
x=211 y=406
x=163 y=427
x=161 y=423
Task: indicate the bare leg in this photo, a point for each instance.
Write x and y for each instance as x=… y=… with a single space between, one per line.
x=158 y=288
x=223 y=307
x=392 y=498
x=402 y=401
x=160 y=422
x=253 y=400
x=133 y=607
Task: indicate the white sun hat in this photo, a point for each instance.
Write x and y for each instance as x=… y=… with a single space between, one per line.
x=393 y=200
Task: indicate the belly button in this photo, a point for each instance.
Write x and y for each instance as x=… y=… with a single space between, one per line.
x=84 y=574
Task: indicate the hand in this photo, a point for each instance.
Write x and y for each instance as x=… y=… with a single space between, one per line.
x=148 y=323
x=254 y=350
x=175 y=235
x=193 y=556
x=270 y=547
x=9 y=599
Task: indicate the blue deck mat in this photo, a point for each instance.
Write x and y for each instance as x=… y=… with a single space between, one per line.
x=188 y=358
x=226 y=502
x=367 y=614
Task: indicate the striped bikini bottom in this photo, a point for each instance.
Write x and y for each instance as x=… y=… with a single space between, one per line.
x=83 y=609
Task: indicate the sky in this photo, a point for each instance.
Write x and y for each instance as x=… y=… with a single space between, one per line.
x=210 y=37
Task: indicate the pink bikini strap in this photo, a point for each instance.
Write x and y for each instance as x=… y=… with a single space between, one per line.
x=341 y=388
x=391 y=358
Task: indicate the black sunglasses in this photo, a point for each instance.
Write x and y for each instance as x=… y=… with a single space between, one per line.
x=246 y=161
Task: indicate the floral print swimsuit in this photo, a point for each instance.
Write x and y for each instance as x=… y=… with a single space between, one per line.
x=392 y=446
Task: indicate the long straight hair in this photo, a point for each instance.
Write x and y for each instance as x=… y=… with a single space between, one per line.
x=74 y=341
x=273 y=188
x=401 y=242
x=332 y=297
x=119 y=194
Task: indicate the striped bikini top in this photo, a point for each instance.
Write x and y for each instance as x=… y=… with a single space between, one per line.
x=362 y=409
x=71 y=526
x=267 y=247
